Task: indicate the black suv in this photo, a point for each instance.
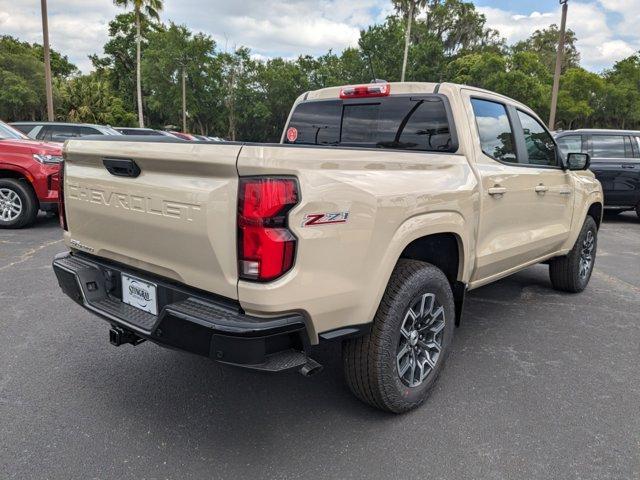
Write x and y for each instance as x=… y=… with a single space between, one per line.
x=615 y=160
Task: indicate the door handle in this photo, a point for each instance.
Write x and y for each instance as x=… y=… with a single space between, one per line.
x=541 y=188
x=628 y=166
x=121 y=167
x=497 y=190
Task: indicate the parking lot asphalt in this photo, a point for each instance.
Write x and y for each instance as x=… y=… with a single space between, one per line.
x=539 y=385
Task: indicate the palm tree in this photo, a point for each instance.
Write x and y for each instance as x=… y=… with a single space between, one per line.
x=409 y=8
x=150 y=9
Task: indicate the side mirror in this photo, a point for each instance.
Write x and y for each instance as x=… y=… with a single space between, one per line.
x=578 y=161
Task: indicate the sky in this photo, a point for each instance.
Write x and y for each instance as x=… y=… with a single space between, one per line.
x=607 y=30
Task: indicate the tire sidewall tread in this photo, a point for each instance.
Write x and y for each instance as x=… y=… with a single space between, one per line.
x=564 y=271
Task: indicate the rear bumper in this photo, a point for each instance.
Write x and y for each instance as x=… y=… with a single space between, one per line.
x=187 y=319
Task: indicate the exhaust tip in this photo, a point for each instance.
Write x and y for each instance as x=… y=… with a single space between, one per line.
x=310 y=368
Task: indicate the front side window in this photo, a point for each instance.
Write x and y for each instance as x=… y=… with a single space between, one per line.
x=402 y=122
x=608 y=146
x=494 y=129
x=541 y=149
x=570 y=144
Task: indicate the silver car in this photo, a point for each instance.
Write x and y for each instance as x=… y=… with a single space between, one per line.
x=59 y=131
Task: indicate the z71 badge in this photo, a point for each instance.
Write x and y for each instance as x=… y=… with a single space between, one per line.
x=314 y=219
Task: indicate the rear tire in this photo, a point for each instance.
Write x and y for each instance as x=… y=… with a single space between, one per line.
x=18 y=204
x=395 y=366
x=572 y=272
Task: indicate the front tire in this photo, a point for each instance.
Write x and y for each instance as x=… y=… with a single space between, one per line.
x=572 y=272
x=18 y=204
x=395 y=366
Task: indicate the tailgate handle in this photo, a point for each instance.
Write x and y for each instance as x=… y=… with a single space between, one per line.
x=121 y=167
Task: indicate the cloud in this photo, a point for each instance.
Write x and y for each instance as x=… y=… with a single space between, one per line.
x=629 y=10
x=599 y=44
x=74 y=29
x=280 y=27
x=268 y=27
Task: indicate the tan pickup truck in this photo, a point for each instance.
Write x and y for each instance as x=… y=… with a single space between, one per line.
x=382 y=205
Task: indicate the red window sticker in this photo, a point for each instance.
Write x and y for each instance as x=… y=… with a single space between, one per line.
x=292 y=134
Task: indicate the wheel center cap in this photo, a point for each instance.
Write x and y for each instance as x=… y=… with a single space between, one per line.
x=413 y=338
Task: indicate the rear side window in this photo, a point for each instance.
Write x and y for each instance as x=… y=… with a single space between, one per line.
x=401 y=122
x=494 y=129
x=58 y=133
x=608 y=146
x=89 y=131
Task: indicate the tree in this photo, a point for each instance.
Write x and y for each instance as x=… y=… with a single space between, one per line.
x=621 y=98
x=580 y=96
x=409 y=9
x=150 y=9
x=172 y=51
x=89 y=98
x=521 y=76
x=459 y=27
x=22 y=77
x=119 y=58
x=545 y=44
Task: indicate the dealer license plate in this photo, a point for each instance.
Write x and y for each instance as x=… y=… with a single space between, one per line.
x=139 y=294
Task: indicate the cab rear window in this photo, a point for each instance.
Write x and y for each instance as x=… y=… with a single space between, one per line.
x=401 y=122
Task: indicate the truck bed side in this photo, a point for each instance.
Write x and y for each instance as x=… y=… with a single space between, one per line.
x=391 y=198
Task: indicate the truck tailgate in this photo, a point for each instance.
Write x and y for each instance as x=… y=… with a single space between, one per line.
x=176 y=219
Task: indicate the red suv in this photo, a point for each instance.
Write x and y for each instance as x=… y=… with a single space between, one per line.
x=28 y=177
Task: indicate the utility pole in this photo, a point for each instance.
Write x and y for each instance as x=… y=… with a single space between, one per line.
x=184 y=99
x=47 y=60
x=556 y=76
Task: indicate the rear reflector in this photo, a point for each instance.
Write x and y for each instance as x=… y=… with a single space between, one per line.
x=368 y=90
x=266 y=247
x=62 y=214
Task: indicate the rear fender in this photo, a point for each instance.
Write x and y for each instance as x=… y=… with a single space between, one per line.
x=422 y=226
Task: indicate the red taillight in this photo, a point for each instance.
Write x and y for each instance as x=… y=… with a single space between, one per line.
x=368 y=90
x=62 y=215
x=266 y=247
